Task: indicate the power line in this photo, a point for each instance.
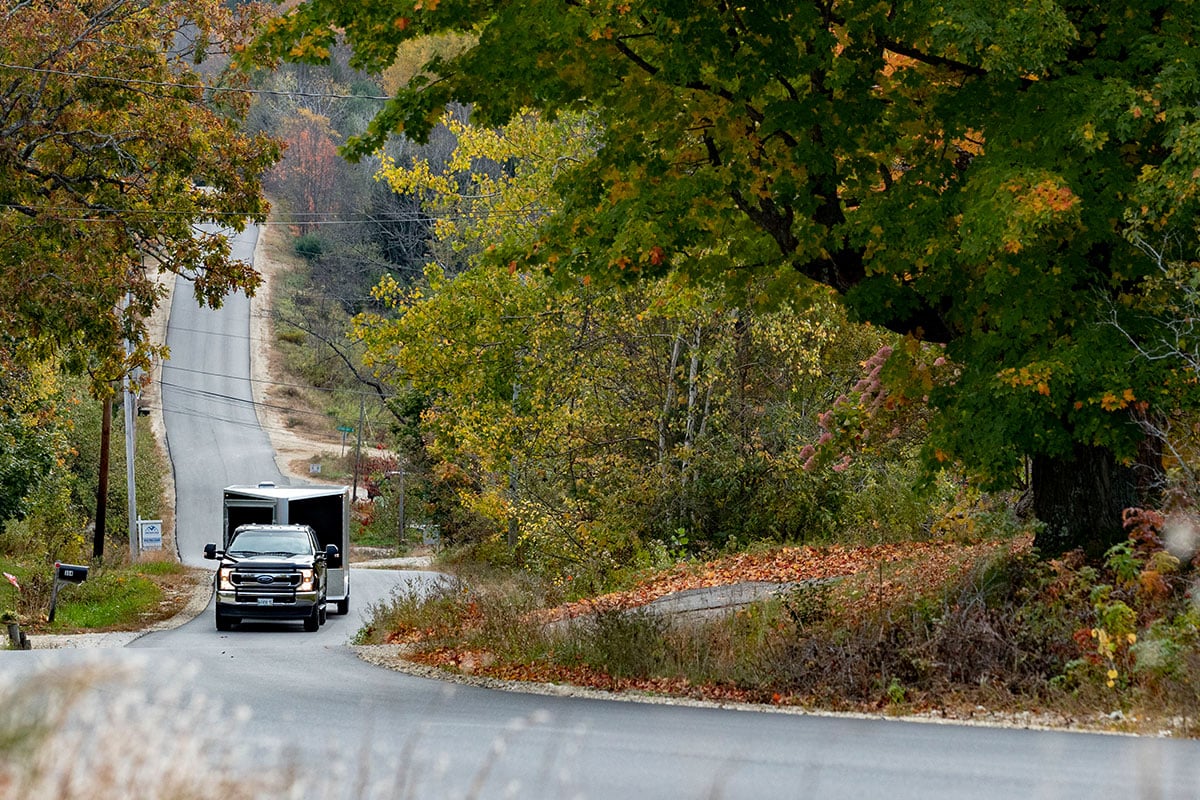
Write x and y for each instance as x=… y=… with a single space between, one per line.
x=248 y=424
x=168 y=85
x=233 y=403
x=208 y=394
x=296 y=218
x=282 y=384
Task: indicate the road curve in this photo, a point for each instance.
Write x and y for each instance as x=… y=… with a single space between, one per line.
x=358 y=731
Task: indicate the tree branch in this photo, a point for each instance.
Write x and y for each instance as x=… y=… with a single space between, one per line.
x=932 y=60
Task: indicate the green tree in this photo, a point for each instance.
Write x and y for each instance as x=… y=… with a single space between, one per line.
x=584 y=419
x=32 y=439
x=119 y=138
x=964 y=173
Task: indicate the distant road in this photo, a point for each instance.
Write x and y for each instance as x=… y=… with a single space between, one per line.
x=208 y=408
x=358 y=731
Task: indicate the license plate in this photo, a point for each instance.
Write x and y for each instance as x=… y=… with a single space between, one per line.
x=266 y=601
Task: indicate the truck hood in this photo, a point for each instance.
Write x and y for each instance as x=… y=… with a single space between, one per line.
x=271 y=562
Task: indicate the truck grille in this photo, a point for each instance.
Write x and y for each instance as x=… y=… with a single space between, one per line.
x=253 y=584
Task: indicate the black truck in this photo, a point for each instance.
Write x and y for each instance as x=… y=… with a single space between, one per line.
x=273 y=572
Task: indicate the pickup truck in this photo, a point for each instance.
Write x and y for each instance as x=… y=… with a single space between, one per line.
x=325 y=509
x=272 y=572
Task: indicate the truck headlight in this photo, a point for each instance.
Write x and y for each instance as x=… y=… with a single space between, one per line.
x=225 y=579
x=306 y=580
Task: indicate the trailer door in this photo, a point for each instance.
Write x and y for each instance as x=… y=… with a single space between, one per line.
x=328 y=515
x=246 y=512
x=323 y=515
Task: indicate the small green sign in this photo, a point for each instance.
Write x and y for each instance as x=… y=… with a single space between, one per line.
x=345 y=429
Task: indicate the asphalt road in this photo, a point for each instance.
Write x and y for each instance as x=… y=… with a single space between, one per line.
x=353 y=730
x=212 y=430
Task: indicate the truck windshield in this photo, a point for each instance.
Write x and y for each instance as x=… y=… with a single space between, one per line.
x=274 y=542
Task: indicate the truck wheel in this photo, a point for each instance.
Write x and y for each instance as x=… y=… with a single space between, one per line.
x=324 y=615
x=343 y=606
x=313 y=621
x=224 y=623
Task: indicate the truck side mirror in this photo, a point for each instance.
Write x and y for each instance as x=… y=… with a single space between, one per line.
x=210 y=551
x=333 y=558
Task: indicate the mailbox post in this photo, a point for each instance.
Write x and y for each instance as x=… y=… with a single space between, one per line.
x=65 y=573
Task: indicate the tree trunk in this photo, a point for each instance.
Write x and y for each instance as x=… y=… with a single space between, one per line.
x=1080 y=499
x=664 y=422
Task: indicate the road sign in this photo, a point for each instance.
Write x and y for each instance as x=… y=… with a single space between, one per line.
x=151 y=533
x=345 y=429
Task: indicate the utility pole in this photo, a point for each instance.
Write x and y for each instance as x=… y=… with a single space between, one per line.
x=400 y=518
x=102 y=489
x=358 y=447
x=130 y=418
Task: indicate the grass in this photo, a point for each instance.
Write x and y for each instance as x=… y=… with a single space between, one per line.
x=106 y=600
x=384 y=536
x=114 y=596
x=305 y=360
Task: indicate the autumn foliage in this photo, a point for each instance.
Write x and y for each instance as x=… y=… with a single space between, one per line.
x=983 y=177
x=122 y=135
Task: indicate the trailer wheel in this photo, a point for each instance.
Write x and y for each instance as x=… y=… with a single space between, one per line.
x=343 y=605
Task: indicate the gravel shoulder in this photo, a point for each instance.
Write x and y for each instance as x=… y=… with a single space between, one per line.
x=292 y=450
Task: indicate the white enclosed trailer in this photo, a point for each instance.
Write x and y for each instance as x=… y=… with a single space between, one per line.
x=326 y=509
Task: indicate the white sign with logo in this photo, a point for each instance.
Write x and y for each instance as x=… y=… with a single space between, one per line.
x=150 y=531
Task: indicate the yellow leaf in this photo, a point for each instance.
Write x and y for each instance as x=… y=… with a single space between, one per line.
x=1110 y=402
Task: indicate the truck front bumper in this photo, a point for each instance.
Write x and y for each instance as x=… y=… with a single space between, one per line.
x=241 y=605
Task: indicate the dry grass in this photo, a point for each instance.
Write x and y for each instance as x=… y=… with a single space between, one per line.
x=68 y=734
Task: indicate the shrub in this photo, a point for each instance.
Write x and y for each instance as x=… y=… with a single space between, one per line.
x=308 y=246
x=54 y=528
x=418 y=612
x=624 y=644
